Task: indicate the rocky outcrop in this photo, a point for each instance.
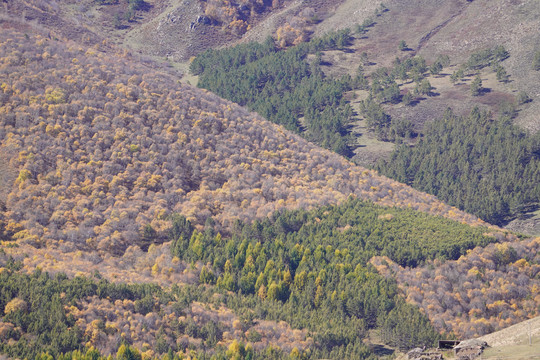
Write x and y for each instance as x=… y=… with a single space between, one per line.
x=470 y=349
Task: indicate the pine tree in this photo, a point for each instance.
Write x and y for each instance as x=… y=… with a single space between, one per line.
x=407 y=98
x=476 y=86
x=436 y=68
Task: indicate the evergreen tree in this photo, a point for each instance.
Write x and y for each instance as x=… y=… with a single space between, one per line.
x=501 y=74
x=402 y=45
x=465 y=161
x=476 y=86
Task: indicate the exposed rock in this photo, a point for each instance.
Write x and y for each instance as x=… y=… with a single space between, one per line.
x=469 y=349
x=414 y=353
x=422 y=354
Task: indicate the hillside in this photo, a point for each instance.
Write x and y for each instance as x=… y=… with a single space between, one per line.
x=107 y=152
x=484 y=291
x=300 y=280
x=462 y=159
x=433 y=28
x=143 y=217
x=518 y=334
x=160 y=29
x=171 y=33
x=104 y=152
x=334 y=91
x=519 y=341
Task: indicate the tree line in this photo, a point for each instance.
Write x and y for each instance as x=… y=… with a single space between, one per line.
x=283 y=86
x=487 y=167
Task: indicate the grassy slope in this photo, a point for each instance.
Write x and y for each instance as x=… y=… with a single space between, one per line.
x=480 y=25
x=515 y=335
x=457 y=29
x=519 y=341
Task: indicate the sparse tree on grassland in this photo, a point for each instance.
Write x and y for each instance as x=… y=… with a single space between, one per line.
x=523 y=98
x=476 y=86
x=402 y=45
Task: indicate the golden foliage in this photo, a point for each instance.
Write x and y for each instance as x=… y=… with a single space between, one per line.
x=236 y=16
x=296 y=30
x=102 y=321
x=104 y=147
x=484 y=291
x=15 y=304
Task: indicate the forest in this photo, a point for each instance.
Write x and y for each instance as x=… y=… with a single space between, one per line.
x=266 y=271
x=283 y=87
x=334 y=262
x=141 y=218
x=487 y=167
x=98 y=152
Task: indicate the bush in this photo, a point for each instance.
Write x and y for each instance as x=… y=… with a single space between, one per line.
x=144 y=305
x=402 y=45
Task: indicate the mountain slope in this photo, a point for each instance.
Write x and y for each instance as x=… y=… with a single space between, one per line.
x=103 y=152
x=457 y=29
x=107 y=152
x=175 y=31
x=484 y=291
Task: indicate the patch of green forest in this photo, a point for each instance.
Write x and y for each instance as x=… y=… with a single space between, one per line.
x=308 y=268
x=283 y=86
x=358 y=228
x=486 y=167
x=311 y=269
